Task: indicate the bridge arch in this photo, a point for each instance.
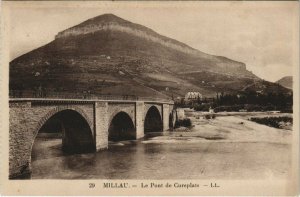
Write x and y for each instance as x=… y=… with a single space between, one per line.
x=121 y=127
x=58 y=109
x=75 y=127
x=153 y=120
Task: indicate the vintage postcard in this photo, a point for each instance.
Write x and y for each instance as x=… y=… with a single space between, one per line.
x=150 y=98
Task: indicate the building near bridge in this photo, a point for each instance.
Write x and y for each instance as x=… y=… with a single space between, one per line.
x=193 y=96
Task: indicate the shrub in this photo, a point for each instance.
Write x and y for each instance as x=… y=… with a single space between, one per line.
x=229 y=108
x=272 y=121
x=251 y=108
x=202 y=107
x=183 y=123
x=207 y=116
x=247 y=107
x=210 y=116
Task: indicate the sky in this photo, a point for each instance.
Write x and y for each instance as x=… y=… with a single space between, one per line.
x=263 y=35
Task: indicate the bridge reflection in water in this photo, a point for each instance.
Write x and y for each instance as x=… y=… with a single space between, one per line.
x=133 y=159
x=85 y=125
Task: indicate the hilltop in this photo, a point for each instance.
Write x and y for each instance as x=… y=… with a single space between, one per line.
x=286 y=81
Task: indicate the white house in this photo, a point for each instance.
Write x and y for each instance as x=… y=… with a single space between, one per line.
x=190 y=96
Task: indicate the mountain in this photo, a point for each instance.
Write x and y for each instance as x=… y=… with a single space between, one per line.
x=109 y=55
x=286 y=81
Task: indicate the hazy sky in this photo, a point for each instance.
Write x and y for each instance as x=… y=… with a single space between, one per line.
x=261 y=34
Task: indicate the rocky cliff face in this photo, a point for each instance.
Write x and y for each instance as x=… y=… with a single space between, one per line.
x=109 y=23
x=91 y=29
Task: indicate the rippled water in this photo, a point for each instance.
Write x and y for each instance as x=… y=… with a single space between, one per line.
x=163 y=157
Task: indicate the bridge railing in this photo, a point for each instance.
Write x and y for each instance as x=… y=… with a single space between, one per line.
x=83 y=96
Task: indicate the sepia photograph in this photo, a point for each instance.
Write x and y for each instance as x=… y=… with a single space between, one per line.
x=171 y=96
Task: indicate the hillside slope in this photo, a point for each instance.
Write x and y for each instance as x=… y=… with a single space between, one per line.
x=109 y=55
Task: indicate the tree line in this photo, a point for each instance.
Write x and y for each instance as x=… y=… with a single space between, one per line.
x=249 y=101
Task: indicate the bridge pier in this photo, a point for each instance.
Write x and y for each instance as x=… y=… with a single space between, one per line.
x=139 y=111
x=101 y=125
x=165 y=116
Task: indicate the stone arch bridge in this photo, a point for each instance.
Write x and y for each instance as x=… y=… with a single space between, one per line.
x=86 y=125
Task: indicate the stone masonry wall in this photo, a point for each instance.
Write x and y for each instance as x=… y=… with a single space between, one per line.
x=115 y=108
x=140 y=118
x=166 y=114
x=25 y=120
x=101 y=125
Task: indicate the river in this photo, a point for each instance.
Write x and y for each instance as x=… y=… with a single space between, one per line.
x=172 y=155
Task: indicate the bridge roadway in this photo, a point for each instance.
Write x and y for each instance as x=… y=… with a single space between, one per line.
x=86 y=125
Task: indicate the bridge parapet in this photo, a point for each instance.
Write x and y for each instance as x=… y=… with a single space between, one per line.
x=34 y=95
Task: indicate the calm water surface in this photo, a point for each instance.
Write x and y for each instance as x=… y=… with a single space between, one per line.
x=163 y=157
